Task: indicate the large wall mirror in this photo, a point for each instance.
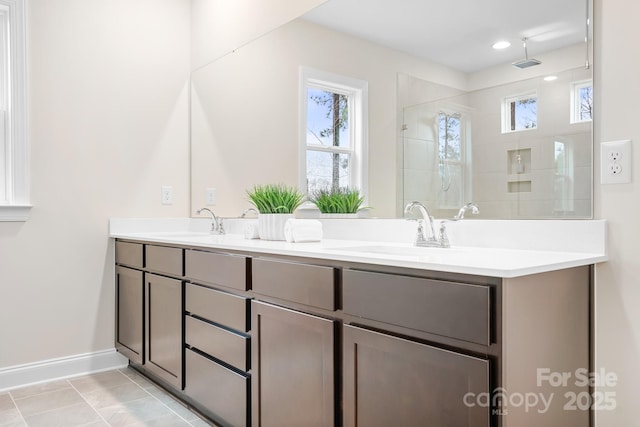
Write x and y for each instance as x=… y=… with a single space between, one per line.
x=449 y=118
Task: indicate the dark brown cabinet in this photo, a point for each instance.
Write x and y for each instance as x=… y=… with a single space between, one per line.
x=267 y=340
x=129 y=313
x=217 y=353
x=390 y=381
x=164 y=316
x=293 y=362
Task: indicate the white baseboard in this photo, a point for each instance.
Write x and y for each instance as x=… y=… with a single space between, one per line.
x=64 y=367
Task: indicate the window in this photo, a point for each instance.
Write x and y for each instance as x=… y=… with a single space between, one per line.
x=451 y=159
x=520 y=113
x=563 y=185
x=333 y=132
x=14 y=167
x=582 y=101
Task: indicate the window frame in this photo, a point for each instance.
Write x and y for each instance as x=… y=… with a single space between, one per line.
x=15 y=170
x=506 y=111
x=357 y=90
x=465 y=118
x=575 y=100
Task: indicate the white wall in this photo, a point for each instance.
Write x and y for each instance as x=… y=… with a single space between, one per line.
x=617 y=110
x=109 y=126
x=219 y=26
x=108 y=84
x=245 y=111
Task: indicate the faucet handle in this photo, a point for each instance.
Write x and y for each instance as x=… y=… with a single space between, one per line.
x=444 y=238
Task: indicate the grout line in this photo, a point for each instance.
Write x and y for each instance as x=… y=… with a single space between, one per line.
x=18 y=409
x=155 y=397
x=90 y=405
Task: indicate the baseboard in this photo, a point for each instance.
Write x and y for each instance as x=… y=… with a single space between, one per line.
x=64 y=367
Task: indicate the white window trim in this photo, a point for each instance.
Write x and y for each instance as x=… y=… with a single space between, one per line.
x=341 y=84
x=575 y=100
x=466 y=117
x=506 y=111
x=17 y=206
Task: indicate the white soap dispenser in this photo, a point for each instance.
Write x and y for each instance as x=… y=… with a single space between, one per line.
x=518 y=166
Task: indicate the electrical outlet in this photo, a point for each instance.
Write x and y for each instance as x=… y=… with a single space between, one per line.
x=211 y=196
x=167 y=195
x=615 y=161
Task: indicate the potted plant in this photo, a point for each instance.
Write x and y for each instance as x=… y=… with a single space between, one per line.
x=337 y=202
x=275 y=204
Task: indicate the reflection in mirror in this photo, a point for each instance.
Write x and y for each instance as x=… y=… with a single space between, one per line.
x=441 y=134
x=514 y=149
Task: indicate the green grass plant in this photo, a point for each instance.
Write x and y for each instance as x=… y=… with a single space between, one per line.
x=275 y=198
x=337 y=201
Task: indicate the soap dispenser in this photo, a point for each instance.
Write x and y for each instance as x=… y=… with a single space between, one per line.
x=518 y=167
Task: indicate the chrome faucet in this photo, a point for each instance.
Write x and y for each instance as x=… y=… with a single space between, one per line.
x=444 y=239
x=421 y=238
x=468 y=207
x=216 y=223
x=248 y=211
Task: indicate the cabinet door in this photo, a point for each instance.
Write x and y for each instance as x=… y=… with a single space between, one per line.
x=390 y=381
x=164 y=346
x=293 y=368
x=130 y=313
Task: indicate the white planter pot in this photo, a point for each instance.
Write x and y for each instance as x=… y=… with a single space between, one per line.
x=339 y=215
x=271 y=226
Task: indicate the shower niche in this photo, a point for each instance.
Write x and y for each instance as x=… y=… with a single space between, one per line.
x=518 y=168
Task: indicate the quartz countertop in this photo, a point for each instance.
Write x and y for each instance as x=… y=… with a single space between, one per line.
x=485 y=261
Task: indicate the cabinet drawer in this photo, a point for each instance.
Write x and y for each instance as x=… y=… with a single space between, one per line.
x=218 y=389
x=129 y=254
x=456 y=310
x=217 y=269
x=219 y=307
x=302 y=283
x=222 y=344
x=166 y=260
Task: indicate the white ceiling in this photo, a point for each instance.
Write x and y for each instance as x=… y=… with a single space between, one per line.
x=459 y=33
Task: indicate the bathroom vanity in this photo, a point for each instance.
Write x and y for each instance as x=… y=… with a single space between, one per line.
x=343 y=333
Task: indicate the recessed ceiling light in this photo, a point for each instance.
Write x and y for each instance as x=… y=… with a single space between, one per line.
x=501 y=45
x=550 y=78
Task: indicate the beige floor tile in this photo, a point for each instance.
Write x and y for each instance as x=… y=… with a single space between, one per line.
x=160 y=394
x=68 y=416
x=33 y=390
x=200 y=423
x=10 y=417
x=48 y=401
x=101 y=380
x=140 y=410
x=103 y=397
x=171 y=420
x=181 y=410
x=95 y=424
x=6 y=402
x=137 y=378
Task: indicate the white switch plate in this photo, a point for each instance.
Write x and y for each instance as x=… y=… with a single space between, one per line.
x=211 y=196
x=167 y=195
x=615 y=162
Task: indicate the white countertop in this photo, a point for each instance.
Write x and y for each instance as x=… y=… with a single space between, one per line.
x=477 y=260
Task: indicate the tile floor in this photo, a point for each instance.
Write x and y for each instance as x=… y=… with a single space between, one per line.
x=114 y=398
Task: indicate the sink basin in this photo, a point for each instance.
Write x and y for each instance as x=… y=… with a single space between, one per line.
x=184 y=234
x=398 y=250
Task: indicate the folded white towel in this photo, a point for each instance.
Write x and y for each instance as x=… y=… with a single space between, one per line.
x=251 y=230
x=302 y=230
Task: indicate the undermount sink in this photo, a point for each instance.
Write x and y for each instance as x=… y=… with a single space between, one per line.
x=398 y=250
x=184 y=234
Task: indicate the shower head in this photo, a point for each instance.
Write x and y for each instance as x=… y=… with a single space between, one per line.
x=526 y=62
